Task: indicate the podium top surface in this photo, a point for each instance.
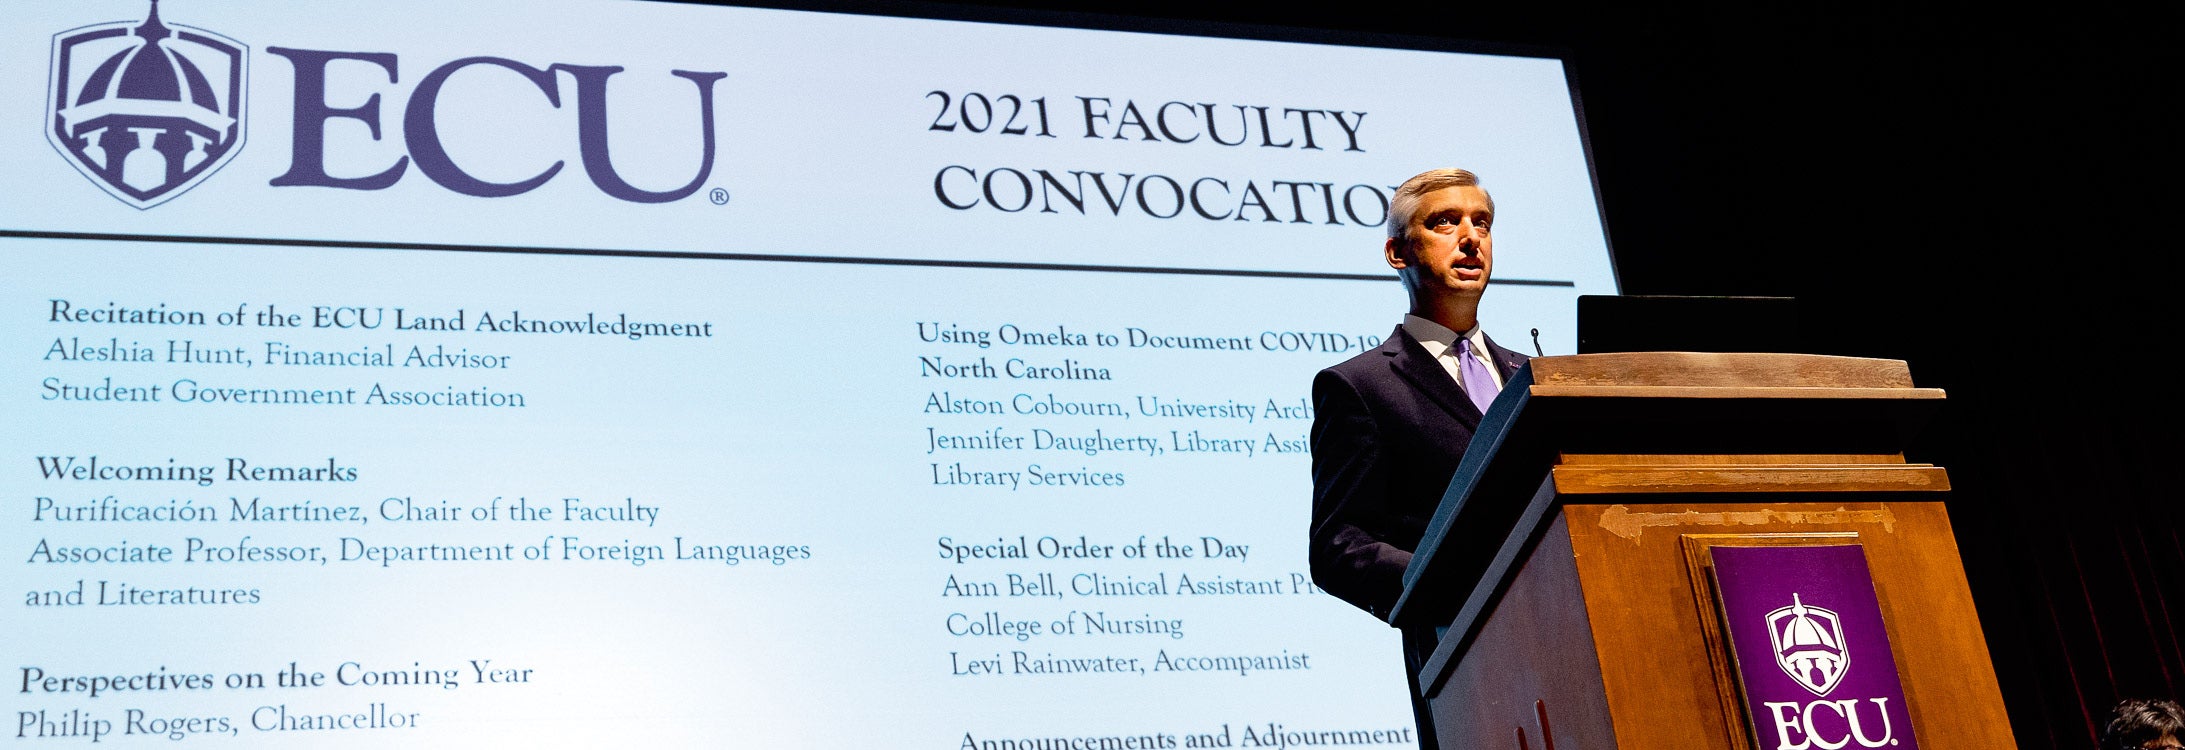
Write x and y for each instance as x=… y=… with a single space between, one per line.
x=1725 y=370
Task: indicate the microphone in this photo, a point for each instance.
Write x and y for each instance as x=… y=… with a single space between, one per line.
x=1536 y=344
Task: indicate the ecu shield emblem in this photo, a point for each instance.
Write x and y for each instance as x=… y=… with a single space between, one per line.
x=1809 y=645
x=146 y=109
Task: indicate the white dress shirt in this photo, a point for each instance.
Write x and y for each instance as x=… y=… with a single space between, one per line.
x=1442 y=343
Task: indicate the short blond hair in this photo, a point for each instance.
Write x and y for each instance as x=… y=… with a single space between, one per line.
x=1406 y=200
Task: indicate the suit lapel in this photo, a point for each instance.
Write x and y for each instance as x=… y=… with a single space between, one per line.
x=1413 y=364
x=1506 y=361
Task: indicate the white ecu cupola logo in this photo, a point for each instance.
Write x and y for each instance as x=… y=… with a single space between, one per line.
x=1809 y=645
x=146 y=109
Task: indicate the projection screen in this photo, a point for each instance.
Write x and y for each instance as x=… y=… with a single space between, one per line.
x=616 y=374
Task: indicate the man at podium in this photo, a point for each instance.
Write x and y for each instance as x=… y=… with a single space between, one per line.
x=1393 y=421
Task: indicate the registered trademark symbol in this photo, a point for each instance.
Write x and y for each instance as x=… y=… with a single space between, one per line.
x=718 y=196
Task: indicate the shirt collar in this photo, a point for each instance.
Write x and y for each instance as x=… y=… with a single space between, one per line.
x=1439 y=339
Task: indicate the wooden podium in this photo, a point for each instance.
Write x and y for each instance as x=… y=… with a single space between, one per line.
x=1561 y=596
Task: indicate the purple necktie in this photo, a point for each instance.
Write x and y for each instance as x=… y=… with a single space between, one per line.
x=1479 y=384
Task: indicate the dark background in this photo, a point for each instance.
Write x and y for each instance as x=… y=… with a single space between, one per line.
x=1984 y=194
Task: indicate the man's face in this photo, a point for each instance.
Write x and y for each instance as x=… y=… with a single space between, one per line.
x=1451 y=250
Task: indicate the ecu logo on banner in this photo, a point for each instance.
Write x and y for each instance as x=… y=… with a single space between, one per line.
x=146 y=109
x=1774 y=632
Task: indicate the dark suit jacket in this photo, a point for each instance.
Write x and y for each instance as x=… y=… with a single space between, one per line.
x=1389 y=427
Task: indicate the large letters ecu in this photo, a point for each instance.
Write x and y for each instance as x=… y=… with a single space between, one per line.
x=1829 y=725
x=307 y=161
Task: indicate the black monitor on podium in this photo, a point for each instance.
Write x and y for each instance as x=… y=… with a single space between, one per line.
x=1659 y=323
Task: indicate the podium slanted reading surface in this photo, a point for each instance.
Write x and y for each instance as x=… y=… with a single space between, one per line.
x=1566 y=593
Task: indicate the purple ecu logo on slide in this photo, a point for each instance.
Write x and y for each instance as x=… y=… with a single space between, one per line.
x=146 y=109
x=1797 y=617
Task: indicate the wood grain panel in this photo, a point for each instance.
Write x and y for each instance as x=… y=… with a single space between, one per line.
x=1535 y=649
x=1578 y=480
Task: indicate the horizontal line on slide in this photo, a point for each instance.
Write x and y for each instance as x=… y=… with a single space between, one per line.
x=759 y=257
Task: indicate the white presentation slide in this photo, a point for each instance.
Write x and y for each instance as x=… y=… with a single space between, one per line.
x=616 y=374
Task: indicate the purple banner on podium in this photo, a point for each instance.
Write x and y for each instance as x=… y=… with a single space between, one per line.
x=1813 y=658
